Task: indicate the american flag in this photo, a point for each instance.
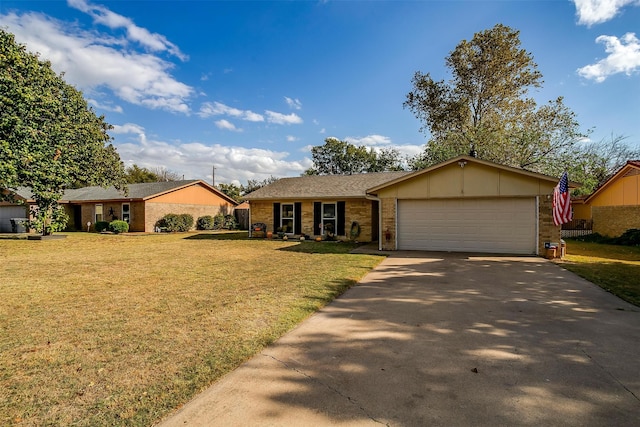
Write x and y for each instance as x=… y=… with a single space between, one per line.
x=562 y=201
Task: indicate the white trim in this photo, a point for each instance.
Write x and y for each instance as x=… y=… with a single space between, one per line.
x=537 y=225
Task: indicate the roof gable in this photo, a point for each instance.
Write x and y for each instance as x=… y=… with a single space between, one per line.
x=139 y=191
x=323 y=186
x=466 y=176
x=632 y=167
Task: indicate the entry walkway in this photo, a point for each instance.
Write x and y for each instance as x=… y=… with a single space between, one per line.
x=430 y=339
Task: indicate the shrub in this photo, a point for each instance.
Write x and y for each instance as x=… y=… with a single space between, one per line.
x=174 y=222
x=630 y=237
x=101 y=226
x=185 y=222
x=205 y=223
x=227 y=222
x=119 y=226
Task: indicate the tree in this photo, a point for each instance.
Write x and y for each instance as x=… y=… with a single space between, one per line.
x=231 y=190
x=165 y=174
x=254 y=184
x=49 y=138
x=484 y=108
x=136 y=174
x=338 y=157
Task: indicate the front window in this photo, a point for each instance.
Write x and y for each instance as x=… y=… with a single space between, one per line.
x=286 y=217
x=98 y=212
x=328 y=219
x=126 y=212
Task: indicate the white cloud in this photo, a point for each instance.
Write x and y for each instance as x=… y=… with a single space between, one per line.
x=282 y=119
x=291 y=138
x=369 y=140
x=623 y=57
x=323 y=131
x=106 y=106
x=152 y=41
x=209 y=109
x=598 y=11
x=195 y=160
x=227 y=125
x=293 y=103
x=92 y=60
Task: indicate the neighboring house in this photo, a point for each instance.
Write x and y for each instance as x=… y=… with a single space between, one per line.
x=464 y=204
x=10 y=210
x=615 y=205
x=144 y=204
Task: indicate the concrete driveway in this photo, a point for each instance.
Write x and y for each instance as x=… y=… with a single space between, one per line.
x=431 y=339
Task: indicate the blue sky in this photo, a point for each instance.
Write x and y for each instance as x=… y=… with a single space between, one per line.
x=250 y=86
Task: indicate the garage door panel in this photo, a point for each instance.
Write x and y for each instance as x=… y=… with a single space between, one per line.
x=8 y=212
x=468 y=225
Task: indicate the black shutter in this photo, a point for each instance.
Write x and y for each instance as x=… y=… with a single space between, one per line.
x=340 y=219
x=317 y=217
x=297 y=218
x=276 y=216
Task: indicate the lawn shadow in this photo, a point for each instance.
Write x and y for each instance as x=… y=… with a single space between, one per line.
x=311 y=247
x=226 y=235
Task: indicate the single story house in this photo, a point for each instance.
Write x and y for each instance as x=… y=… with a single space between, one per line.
x=12 y=210
x=145 y=203
x=615 y=205
x=464 y=205
x=142 y=206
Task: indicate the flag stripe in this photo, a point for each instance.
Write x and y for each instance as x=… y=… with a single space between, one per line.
x=562 y=201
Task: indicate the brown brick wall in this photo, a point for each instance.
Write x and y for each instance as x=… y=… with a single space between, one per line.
x=355 y=210
x=547 y=230
x=388 y=208
x=612 y=221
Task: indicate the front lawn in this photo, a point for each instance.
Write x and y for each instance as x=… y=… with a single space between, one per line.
x=613 y=267
x=123 y=329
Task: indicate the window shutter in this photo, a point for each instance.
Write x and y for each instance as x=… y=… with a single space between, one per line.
x=297 y=218
x=276 y=216
x=317 y=217
x=340 y=219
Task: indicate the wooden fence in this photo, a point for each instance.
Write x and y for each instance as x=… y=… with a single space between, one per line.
x=577 y=228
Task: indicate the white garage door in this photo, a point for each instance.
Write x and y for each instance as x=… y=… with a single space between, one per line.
x=8 y=212
x=468 y=225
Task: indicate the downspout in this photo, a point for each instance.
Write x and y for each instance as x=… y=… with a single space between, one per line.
x=377 y=199
x=250 y=228
x=538 y=225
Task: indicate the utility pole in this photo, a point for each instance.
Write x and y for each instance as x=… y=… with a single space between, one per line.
x=213 y=175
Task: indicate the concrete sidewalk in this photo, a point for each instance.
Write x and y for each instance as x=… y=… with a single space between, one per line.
x=444 y=339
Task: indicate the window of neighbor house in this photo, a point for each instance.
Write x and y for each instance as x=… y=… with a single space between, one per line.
x=98 y=215
x=126 y=212
x=287 y=217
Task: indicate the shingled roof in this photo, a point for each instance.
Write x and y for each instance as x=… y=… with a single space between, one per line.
x=323 y=186
x=136 y=191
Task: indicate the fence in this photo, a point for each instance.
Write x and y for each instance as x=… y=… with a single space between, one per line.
x=242 y=216
x=577 y=228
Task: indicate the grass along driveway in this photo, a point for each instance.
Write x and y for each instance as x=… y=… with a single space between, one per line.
x=123 y=329
x=614 y=268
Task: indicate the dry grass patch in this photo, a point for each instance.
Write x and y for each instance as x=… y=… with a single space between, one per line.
x=121 y=329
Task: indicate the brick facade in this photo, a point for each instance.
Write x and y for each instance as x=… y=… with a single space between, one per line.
x=358 y=210
x=547 y=230
x=388 y=224
x=612 y=221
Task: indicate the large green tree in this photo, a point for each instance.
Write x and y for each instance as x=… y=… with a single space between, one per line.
x=485 y=109
x=338 y=157
x=50 y=139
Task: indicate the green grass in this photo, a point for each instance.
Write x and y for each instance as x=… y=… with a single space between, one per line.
x=123 y=329
x=614 y=268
